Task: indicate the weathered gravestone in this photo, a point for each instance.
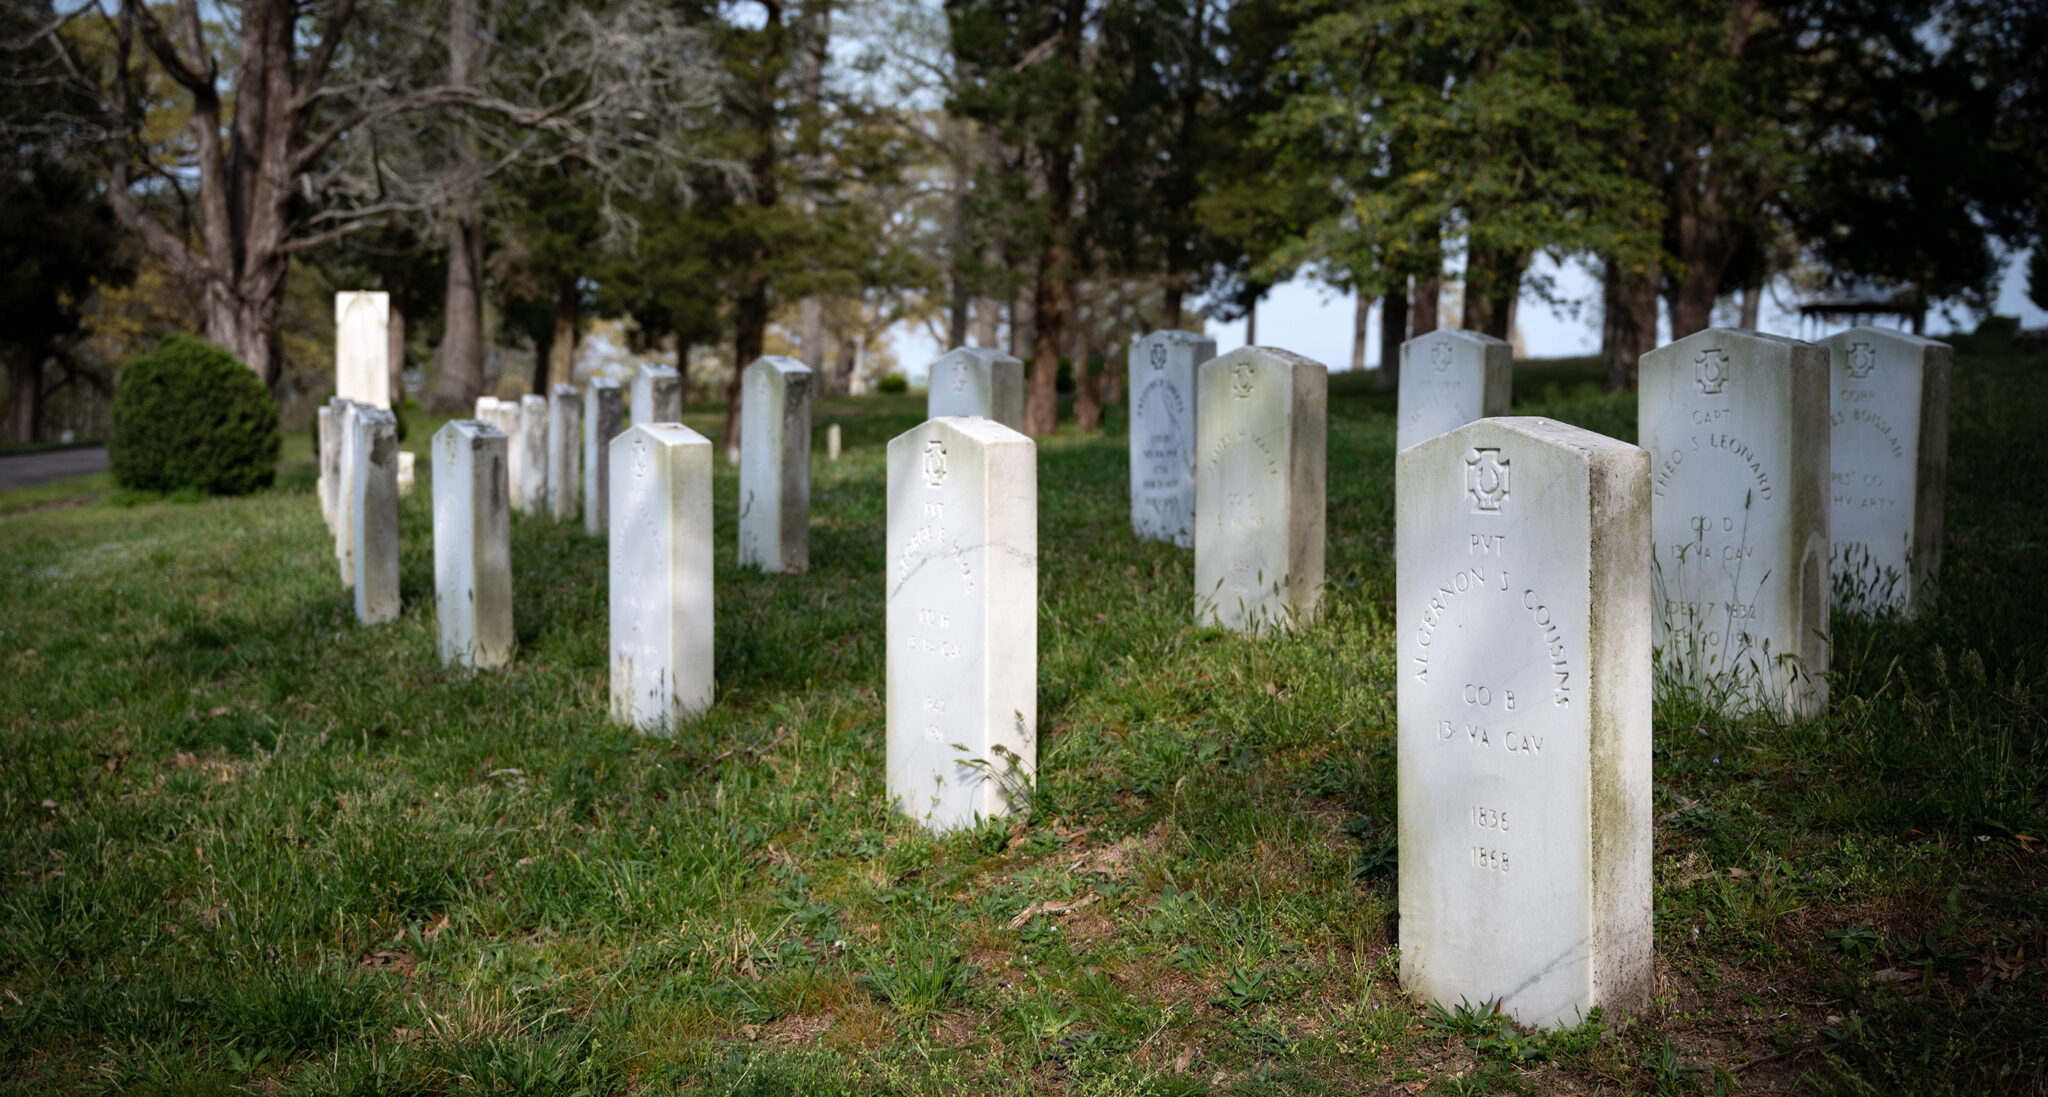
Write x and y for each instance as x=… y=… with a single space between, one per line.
x=1162 y=378
x=329 y=456
x=505 y=416
x=472 y=544
x=775 y=466
x=344 y=426
x=1448 y=379
x=362 y=348
x=1259 y=501
x=661 y=601
x=1888 y=459
x=1736 y=423
x=604 y=413
x=486 y=410
x=405 y=463
x=962 y=617
x=1522 y=554
x=657 y=395
x=565 y=451
x=977 y=381
x=373 y=506
x=532 y=460
x=832 y=442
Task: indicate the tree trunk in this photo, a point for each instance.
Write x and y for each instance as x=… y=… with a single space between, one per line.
x=1052 y=301
x=1087 y=389
x=815 y=26
x=394 y=353
x=1251 y=323
x=1393 y=332
x=1752 y=305
x=1422 y=314
x=1361 y=314
x=1021 y=325
x=988 y=321
x=1632 y=320
x=460 y=379
x=24 y=395
x=1692 y=300
x=562 y=348
x=750 y=310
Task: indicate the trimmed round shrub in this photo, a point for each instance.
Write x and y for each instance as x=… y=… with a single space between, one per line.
x=892 y=383
x=189 y=417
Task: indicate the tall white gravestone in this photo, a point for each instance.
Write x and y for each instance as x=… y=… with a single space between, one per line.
x=1162 y=380
x=344 y=490
x=374 y=506
x=657 y=395
x=533 y=454
x=1259 y=498
x=323 y=484
x=962 y=618
x=1522 y=550
x=565 y=451
x=1448 y=379
x=1888 y=459
x=1736 y=423
x=775 y=466
x=472 y=545
x=976 y=381
x=604 y=416
x=362 y=348
x=660 y=553
x=486 y=410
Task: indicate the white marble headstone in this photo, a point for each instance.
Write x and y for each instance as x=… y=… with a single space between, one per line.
x=532 y=460
x=775 y=466
x=362 y=348
x=977 y=381
x=962 y=616
x=1889 y=463
x=472 y=545
x=1162 y=380
x=1449 y=378
x=1736 y=423
x=1259 y=498
x=660 y=552
x=329 y=455
x=405 y=475
x=565 y=451
x=604 y=414
x=1522 y=589
x=373 y=508
x=344 y=426
x=657 y=395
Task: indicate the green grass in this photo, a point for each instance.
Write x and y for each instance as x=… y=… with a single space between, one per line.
x=250 y=846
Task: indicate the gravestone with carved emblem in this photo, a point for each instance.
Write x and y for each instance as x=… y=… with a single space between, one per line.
x=472 y=544
x=1736 y=423
x=657 y=395
x=1522 y=590
x=1449 y=378
x=373 y=506
x=1162 y=380
x=532 y=458
x=1888 y=462
x=565 y=452
x=362 y=348
x=962 y=620
x=775 y=466
x=977 y=381
x=660 y=569
x=1259 y=495
x=604 y=416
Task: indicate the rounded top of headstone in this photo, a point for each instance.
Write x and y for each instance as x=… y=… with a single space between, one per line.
x=374 y=416
x=979 y=355
x=468 y=428
x=531 y=400
x=1894 y=336
x=777 y=363
x=1456 y=335
x=605 y=383
x=1270 y=357
x=376 y=301
x=483 y=403
x=971 y=427
x=564 y=390
x=1175 y=335
x=648 y=369
x=666 y=434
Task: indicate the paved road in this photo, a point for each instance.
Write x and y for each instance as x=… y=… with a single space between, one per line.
x=28 y=469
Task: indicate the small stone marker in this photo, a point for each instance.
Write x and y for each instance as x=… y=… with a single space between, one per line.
x=532 y=461
x=1259 y=496
x=344 y=426
x=1888 y=461
x=472 y=545
x=657 y=395
x=962 y=614
x=1736 y=423
x=775 y=466
x=405 y=476
x=977 y=381
x=486 y=409
x=1522 y=550
x=374 y=505
x=362 y=348
x=565 y=452
x=1449 y=378
x=660 y=553
x=604 y=413
x=1162 y=373
x=832 y=442
x=323 y=484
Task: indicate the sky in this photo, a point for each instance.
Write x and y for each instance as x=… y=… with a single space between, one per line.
x=1308 y=318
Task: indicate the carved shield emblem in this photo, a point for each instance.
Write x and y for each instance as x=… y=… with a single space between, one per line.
x=1710 y=370
x=934 y=462
x=1486 y=480
x=1862 y=359
x=639 y=457
x=1440 y=357
x=1159 y=356
x=1242 y=377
